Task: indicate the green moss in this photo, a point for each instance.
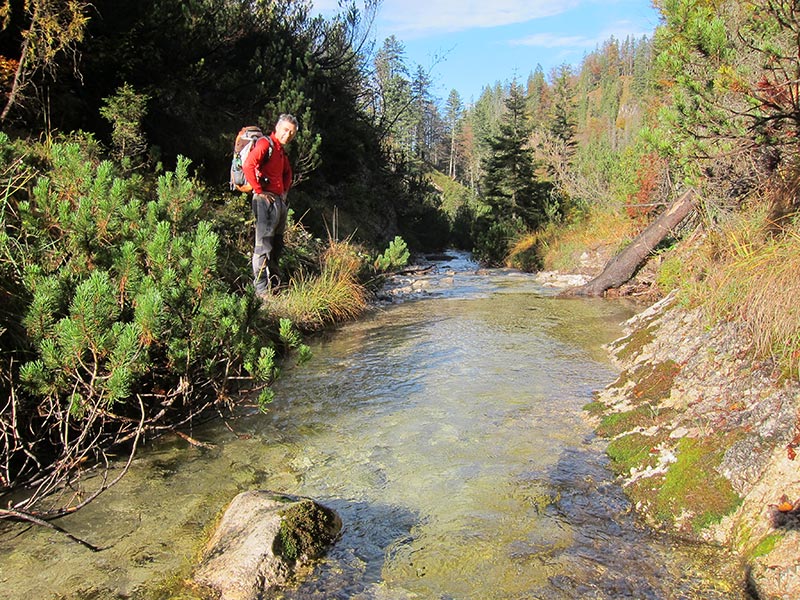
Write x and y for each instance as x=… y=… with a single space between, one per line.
x=629 y=451
x=306 y=530
x=632 y=345
x=617 y=423
x=595 y=408
x=766 y=545
x=645 y=415
x=622 y=379
x=693 y=485
x=690 y=486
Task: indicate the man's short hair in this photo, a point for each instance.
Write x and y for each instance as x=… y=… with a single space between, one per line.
x=287 y=117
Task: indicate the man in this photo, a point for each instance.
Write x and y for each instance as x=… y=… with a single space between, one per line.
x=268 y=170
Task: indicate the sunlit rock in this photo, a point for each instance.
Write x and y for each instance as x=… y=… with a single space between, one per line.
x=263 y=539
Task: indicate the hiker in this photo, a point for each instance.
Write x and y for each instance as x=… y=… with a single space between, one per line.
x=268 y=171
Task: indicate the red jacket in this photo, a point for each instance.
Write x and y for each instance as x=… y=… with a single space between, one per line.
x=268 y=173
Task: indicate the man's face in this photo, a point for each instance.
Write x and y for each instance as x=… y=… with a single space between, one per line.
x=285 y=131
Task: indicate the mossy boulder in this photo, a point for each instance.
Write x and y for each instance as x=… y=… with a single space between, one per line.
x=262 y=539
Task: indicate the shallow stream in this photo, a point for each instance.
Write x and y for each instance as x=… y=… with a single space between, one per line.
x=448 y=434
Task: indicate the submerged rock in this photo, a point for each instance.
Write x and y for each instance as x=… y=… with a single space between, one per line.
x=262 y=540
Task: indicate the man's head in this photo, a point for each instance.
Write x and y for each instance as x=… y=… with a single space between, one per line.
x=286 y=128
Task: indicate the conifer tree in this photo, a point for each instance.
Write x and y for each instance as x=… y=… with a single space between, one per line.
x=394 y=95
x=510 y=184
x=454 y=110
x=538 y=103
x=424 y=115
x=561 y=121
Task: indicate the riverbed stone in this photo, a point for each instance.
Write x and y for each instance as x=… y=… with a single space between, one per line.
x=262 y=540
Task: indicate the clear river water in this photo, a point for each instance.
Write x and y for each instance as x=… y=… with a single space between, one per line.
x=448 y=434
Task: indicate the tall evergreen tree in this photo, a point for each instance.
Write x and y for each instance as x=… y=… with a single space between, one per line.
x=423 y=114
x=538 y=97
x=394 y=94
x=454 y=110
x=510 y=184
x=562 y=118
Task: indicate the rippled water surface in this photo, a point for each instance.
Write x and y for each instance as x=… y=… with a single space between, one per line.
x=446 y=432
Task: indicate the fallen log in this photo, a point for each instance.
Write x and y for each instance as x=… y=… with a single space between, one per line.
x=621 y=267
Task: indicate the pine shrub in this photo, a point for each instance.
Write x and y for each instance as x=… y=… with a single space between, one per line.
x=126 y=315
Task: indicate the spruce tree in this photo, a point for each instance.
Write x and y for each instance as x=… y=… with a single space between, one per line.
x=510 y=183
x=561 y=121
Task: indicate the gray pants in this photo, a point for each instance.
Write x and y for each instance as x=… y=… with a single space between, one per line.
x=270 y=211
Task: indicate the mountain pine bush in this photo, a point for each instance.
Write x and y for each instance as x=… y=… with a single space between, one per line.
x=115 y=309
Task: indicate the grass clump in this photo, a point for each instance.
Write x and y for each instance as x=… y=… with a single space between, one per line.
x=760 y=287
x=333 y=295
x=562 y=246
x=745 y=270
x=525 y=253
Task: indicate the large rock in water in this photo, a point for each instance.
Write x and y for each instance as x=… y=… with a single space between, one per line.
x=262 y=539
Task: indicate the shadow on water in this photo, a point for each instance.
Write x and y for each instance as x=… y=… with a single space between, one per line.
x=609 y=554
x=609 y=557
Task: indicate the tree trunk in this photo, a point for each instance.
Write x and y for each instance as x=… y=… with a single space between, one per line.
x=19 y=76
x=622 y=267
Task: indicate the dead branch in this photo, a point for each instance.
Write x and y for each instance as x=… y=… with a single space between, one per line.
x=14 y=515
x=43 y=518
x=193 y=441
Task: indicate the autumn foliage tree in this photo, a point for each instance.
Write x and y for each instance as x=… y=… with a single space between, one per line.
x=51 y=30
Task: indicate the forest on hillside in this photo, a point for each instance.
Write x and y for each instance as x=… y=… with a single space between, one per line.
x=125 y=305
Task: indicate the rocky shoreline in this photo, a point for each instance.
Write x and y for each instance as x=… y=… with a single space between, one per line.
x=703 y=436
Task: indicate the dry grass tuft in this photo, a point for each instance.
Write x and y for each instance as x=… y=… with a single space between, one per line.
x=757 y=282
x=312 y=302
x=746 y=270
x=525 y=253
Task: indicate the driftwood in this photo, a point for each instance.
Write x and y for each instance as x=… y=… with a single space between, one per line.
x=622 y=267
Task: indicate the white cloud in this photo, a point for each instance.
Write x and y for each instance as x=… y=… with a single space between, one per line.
x=415 y=18
x=551 y=40
x=619 y=30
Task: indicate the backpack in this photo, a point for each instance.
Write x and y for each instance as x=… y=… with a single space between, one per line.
x=245 y=140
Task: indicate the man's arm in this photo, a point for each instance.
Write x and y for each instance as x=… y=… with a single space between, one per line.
x=287 y=175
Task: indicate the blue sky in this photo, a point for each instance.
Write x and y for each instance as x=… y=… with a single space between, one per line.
x=470 y=44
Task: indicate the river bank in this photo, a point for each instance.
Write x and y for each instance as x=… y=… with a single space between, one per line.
x=701 y=435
